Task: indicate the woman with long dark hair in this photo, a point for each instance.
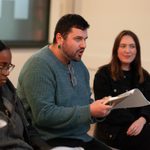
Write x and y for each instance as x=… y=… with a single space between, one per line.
x=126 y=129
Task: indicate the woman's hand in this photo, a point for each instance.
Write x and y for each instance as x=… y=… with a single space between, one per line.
x=136 y=127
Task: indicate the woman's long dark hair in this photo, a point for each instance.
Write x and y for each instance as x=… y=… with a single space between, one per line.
x=115 y=64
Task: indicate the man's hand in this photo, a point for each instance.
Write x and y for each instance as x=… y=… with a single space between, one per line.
x=99 y=108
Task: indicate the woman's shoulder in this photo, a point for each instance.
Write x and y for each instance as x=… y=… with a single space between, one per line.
x=145 y=72
x=104 y=69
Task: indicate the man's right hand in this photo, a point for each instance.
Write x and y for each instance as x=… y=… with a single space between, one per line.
x=99 y=108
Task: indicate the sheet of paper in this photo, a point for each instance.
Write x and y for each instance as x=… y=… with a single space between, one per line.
x=132 y=98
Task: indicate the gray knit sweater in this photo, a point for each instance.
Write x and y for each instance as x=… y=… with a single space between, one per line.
x=57 y=107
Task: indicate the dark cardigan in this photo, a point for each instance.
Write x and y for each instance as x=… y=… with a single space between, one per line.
x=119 y=119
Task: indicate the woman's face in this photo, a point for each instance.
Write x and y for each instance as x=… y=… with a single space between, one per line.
x=5 y=61
x=126 y=51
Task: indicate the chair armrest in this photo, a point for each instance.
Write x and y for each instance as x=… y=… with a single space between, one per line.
x=39 y=144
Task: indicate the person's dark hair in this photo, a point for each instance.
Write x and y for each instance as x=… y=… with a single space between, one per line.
x=67 y=22
x=3 y=46
x=115 y=63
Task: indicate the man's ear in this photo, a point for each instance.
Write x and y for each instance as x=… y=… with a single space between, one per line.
x=59 y=39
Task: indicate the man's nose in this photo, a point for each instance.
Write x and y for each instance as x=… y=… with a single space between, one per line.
x=83 y=44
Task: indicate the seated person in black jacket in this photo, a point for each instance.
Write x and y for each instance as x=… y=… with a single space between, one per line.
x=11 y=117
x=126 y=129
x=15 y=131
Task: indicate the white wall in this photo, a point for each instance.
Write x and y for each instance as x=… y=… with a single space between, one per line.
x=58 y=8
x=107 y=18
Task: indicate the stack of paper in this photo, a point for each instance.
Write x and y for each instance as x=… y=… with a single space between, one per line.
x=129 y=99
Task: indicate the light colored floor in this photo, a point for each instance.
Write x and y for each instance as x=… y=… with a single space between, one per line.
x=90 y=132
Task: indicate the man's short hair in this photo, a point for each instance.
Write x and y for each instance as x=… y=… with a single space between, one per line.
x=67 y=22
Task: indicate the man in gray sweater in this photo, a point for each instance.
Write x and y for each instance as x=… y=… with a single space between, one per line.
x=54 y=86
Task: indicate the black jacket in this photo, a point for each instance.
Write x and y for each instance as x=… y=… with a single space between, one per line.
x=119 y=119
x=14 y=134
x=18 y=133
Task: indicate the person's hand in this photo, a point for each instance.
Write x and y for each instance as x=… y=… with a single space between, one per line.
x=99 y=108
x=136 y=127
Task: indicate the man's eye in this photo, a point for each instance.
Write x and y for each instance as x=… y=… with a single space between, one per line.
x=77 y=39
